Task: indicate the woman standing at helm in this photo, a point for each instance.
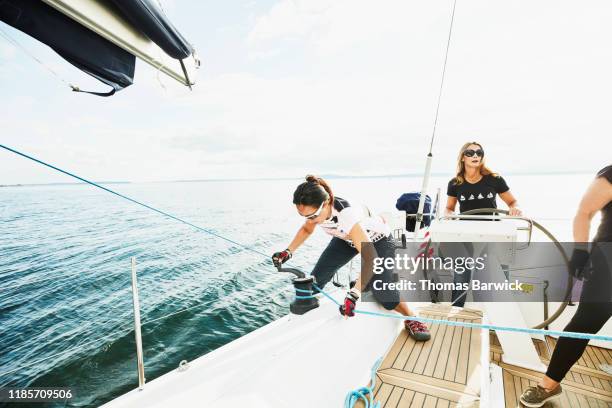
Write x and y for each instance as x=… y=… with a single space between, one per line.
x=475 y=186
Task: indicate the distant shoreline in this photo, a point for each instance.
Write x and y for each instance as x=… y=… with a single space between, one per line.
x=61 y=184
x=326 y=176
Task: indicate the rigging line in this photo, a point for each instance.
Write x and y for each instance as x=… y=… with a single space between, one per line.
x=172 y=314
x=179 y=311
x=135 y=201
x=450 y=32
x=35 y=58
x=427 y=174
x=555 y=333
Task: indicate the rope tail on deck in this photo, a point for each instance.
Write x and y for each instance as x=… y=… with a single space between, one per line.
x=364 y=392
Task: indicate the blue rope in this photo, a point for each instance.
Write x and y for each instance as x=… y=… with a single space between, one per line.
x=362 y=393
x=574 y=335
x=584 y=336
x=135 y=201
x=303 y=290
x=309 y=296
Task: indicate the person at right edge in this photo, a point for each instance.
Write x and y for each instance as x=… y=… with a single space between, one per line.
x=595 y=306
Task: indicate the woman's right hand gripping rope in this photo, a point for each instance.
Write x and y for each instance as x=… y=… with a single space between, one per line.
x=348 y=308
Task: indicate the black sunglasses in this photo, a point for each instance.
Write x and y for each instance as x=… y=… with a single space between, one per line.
x=471 y=152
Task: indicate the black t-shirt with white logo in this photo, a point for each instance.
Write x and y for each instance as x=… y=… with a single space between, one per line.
x=478 y=195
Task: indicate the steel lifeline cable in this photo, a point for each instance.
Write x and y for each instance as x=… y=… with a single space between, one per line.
x=575 y=335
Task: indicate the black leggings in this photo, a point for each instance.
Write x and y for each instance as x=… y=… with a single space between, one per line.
x=338 y=253
x=589 y=318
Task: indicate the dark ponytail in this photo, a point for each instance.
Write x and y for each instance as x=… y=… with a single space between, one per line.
x=313 y=192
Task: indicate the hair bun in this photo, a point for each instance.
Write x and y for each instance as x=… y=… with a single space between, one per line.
x=312 y=179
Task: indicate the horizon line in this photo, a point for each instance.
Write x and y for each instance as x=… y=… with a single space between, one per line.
x=325 y=176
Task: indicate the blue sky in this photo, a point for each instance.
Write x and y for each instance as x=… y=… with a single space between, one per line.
x=318 y=86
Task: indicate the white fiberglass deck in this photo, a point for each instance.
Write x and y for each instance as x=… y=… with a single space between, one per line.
x=306 y=361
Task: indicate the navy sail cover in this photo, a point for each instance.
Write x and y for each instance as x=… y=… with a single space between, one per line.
x=75 y=43
x=87 y=50
x=150 y=20
x=409 y=202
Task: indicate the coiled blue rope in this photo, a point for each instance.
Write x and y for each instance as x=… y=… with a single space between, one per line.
x=362 y=393
x=308 y=296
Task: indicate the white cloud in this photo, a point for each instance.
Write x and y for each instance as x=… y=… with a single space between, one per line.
x=330 y=27
x=515 y=78
x=358 y=99
x=290 y=18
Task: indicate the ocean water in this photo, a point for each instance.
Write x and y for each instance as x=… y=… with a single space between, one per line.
x=66 y=316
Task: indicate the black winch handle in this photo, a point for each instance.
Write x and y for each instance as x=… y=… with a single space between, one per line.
x=294 y=271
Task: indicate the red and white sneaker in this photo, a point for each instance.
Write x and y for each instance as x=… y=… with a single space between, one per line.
x=417 y=330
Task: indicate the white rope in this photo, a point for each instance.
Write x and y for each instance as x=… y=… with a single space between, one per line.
x=159 y=68
x=14 y=42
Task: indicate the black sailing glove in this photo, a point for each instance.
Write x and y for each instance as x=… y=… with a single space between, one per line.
x=578 y=263
x=279 y=258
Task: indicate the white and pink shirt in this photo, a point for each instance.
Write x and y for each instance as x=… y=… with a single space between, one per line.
x=344 y=216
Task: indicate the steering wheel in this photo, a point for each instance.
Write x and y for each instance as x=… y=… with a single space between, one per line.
x=546 y=232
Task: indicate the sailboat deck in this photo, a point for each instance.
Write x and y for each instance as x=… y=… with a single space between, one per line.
x=585 y=386
x=445 y=372
x=442 y=372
